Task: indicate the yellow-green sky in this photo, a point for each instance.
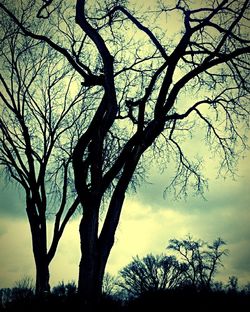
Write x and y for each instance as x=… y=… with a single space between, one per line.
x=147 y=223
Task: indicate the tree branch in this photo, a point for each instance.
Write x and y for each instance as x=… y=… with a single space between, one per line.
x=90 y=80
x=143 y=28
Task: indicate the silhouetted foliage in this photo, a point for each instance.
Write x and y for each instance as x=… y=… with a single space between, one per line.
x=23 y=290
x=109 y=284
x=62 y=289
x=232 y=285
x=151 y=273
x=246 y=289
x=22 y=294
x=179 y=297
x=201 y=259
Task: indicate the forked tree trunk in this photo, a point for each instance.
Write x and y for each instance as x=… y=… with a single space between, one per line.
x=95 y=250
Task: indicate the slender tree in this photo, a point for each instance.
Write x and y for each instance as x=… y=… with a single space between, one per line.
x=155 y=87
x=201 y=259
x=37 y=124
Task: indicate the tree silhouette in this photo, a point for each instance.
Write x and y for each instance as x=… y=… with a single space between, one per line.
x=151 y=273
x=232 y=284
x=40 y=111
x=63 y=290
x=201 y=259
x=151 y=91
x=109 y=284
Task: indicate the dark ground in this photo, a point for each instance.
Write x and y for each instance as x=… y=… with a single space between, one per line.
x=187 y=300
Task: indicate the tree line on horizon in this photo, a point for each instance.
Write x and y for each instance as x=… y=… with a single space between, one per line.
x=189 y=272
x=93 y=93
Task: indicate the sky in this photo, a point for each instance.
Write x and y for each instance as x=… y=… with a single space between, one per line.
x=147 y=223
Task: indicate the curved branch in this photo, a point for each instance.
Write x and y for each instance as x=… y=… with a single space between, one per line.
x=223 y=58
x=58 y=230
x=143 y=28
x=97 y=39
x=44 y=7
x=89 y=79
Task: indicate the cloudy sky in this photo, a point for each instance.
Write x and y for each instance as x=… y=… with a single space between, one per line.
x=148 y=221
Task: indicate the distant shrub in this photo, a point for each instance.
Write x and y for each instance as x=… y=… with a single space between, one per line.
x=62 y=289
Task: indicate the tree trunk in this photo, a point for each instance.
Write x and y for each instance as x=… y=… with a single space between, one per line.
x=90 y=282
x=42 y=276
x=39 y=243
x=95 y=250
x=91 y=272
x=88 y=286
x=42 y=263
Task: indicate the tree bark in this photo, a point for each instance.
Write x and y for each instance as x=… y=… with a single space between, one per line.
x=92 y=265
x=95 y=250
x=39 y=245
x=88 y=287
x=42 y=275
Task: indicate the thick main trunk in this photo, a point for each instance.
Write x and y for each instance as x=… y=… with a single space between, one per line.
x=90 y=271
x=95 y=250
x=42 y=276
x=90 y=282
x=95 y=253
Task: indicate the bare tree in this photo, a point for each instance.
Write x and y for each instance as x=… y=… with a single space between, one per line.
x=201 y=259
x=154 y=90
x=232 y=285
x=151 y=273
x=41 y=105
x=109 y=284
